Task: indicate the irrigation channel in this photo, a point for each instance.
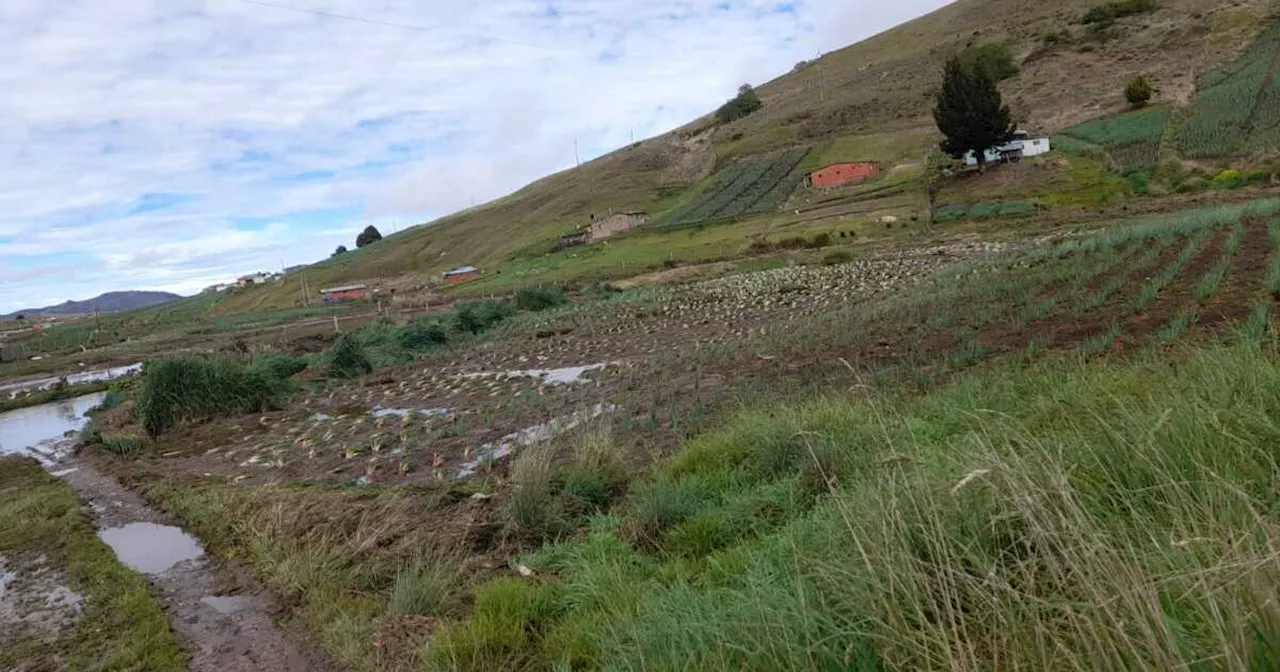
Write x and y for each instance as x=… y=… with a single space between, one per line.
x=223 y=617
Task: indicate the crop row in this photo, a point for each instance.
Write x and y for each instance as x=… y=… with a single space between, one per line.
x=744 y=188
x=1132 y=140
x=1237 y=106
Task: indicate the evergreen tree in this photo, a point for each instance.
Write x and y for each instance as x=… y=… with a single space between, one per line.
x=369 y=235
x=342 y=249
x=970 y=112
x=1138 y=92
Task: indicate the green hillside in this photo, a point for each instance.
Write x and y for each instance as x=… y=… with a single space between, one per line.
x=869 y=101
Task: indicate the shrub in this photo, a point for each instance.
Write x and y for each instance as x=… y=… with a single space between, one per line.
x=347 y=359
x=819 y=241
x=744 y=104
x=1138 y=92
x=1192 y=184
x=759 y=247
x=793 y=243
x=1118 y=9
x=421 y=335
x=836 y=257
x=280 y=365
x=1139 y=181
x=1235 y=179
x=541 y=298
x=994 y=59
x=476 y=317
x=180 y=389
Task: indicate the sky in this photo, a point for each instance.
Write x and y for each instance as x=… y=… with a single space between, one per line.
x=174 y=144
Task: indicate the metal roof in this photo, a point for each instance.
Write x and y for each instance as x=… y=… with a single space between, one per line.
x=348 y=288
x=460 y=271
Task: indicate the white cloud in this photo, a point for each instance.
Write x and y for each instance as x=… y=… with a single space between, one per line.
x=144 y=143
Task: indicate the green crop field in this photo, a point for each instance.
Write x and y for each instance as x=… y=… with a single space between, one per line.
x=1237 y=108
x=742 y=189
x=1132 y=140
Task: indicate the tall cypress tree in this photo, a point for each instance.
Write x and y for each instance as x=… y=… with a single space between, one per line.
x=970 y=112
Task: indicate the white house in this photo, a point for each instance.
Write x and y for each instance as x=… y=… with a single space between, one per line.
x=1021 y=146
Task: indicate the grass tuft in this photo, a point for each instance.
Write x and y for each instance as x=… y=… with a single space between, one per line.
x=347 y=358
x=182 y=389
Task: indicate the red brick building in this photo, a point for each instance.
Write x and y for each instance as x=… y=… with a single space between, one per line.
x=841 y=174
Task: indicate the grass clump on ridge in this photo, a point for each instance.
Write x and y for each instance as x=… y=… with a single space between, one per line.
x=535 y=299
x=181 y=389
x=1068 y=515
x=347 y=358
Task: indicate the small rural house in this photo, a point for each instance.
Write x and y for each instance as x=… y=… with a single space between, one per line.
x=616 y=223
x=842 y=174
x=461 y=274
x=253 y=279
x=1020 y=147
x=344 y=294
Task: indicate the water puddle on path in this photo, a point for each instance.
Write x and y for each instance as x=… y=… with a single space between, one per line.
x=150 y=548
x=226 y=605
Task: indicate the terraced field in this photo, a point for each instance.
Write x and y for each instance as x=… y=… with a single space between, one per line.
x=746 y=187
x=1237 y=109
x=1131 y=140
x=358 y=476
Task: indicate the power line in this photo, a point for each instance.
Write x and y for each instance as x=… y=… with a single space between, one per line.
x=392 y=24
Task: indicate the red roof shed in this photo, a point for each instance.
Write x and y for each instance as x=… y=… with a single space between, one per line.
x=840 y=174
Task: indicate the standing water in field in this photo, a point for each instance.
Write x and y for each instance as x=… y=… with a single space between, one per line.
x=95 y=376
x=30 y=430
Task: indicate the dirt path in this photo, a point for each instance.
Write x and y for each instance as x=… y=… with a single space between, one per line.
x=222 y=616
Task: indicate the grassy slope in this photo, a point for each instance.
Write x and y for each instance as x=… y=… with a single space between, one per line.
x=123 y=627
x=1064 y=516
x=878 y=86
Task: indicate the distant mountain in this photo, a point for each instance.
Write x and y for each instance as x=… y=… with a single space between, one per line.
x=111 y=302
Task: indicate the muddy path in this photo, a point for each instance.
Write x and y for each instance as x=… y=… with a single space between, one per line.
x=225 y=620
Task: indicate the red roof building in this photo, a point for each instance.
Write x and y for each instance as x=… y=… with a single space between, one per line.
x=841 y=174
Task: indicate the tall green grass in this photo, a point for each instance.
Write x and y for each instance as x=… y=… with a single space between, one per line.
x=1073 y=515
x=181 y=389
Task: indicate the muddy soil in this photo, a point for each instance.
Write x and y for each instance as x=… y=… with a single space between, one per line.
x=225 y=620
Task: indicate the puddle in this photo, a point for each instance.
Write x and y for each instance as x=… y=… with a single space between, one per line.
x=226 y=605
x=94 y=376
x=492 y=452
x=34 y=602
x=150 y=548
x=24 y=430
x=563 y=376
x=381 y=412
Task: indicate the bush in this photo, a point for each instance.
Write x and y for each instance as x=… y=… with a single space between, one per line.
x=746 y=103
x=1138 y=92
x=819 y=241
x=1192 y=184
x=476 y=317
x=836 y=257
x=181 y=389
x=1108 y=13
x=280 y=365
x=541 y=298
x=759 y=247
x=994 y=59
x=1235 y=179
x=793 y=243
x=1139 y=181
x=347 y=359
x=422 y=335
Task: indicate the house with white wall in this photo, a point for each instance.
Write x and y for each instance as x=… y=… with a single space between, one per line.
x=1020 y=147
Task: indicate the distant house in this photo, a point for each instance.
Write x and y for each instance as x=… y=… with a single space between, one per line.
x=616 y=223
x=253 y=279
x=843 y=174
x=1020 y=147
x=461 y=274
x=344 y=294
